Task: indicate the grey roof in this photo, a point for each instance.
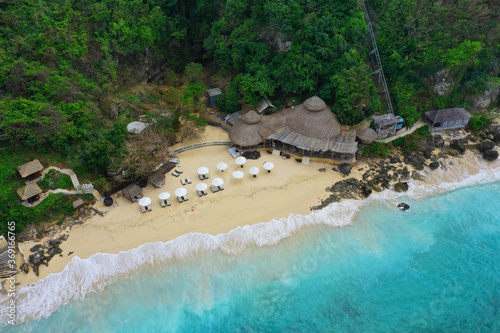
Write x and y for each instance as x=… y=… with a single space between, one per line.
x=263 y=105
x=233 y=118
x=214 y=92
x=29 y=191
x=78 y=203
x=386 y=120
x=30 y=168
x=157 y=177
x=444 y=115
x=131 y=191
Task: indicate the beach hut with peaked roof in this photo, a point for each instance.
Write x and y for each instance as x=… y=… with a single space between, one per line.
x=367 y=135
x=29 y=191
x=132 y=192
x=31 y=170
x=446 y=119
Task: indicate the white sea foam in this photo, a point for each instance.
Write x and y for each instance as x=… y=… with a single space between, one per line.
x=83 y=276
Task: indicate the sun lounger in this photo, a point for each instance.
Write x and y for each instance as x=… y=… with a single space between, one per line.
x=185 y=198
x=175 y=174
x=205 y=176
x=221 y=188
x=214 y=188
x=204 y=192
x=143 y=209
x=201 y=177
x=168 y=202
x=179 y=198
x=200 y=193
x=179 y=171
x=183 y=182
x=188 y=180
x=163 y=204
x=149 y=208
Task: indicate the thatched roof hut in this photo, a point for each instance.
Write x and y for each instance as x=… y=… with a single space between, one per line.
x=313 y=119
x=30 y=168
x=367 y=135
x=132 y=191
x=29 y=191
x=245 y=133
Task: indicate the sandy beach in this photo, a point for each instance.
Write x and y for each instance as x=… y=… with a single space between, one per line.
x=290 y=188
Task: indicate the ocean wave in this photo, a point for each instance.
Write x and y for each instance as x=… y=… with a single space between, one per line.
x=83 y=276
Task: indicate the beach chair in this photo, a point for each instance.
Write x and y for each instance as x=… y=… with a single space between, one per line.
x=180 y=199
x=150 y=208
x=221 y=188
x=183 y=182
x=200 y=193
x=214 y=188
x=163 y=204
x=204 y=192
x=179 y=171
x=185 y=198
x=188 y=180
x=201 y=177
x=143 y=209
x=205 y=176
x=168 y=202
x=175 y=174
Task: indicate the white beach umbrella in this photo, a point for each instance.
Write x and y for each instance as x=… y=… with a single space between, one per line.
x=164 y=196
x=201 y=186
x=203 y=170
x=180 y=192
x=240 y=160
x=222 y=166
x=254 y=171
x=268 y=166
x=238 y=174
x=145 y=201
x=217 y=182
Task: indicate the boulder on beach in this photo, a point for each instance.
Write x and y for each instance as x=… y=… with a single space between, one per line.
x=490 y=155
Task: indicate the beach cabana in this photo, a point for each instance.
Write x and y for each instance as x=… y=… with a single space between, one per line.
x=367 y=136
x=29 y=192
x=31 y=170
x=448 y=118
x=132 y=192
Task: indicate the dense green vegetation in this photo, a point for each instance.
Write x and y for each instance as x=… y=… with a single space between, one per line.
x=69 y=69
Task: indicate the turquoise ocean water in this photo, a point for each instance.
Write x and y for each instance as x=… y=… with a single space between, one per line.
x=434 y=268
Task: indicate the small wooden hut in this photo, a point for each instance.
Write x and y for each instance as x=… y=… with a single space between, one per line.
x=386 y=125
x=132 y=192
x=212 y=96
x=31 y=170
x=367 y=136
x=29 y=192
x=448 y=118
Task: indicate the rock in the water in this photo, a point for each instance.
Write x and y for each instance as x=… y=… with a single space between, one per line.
x=490 y=155
x=434 y=165
x=485 y=145
x=366 y=190
x=345 y=168
x=401 y=187
x=403 y=206
x=438 y=141
x=417 y=176
x=458 y=144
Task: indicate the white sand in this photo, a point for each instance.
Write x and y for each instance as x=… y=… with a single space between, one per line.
x=290 y=188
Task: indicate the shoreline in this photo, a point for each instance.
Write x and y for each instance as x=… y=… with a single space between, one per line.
x=290 y=189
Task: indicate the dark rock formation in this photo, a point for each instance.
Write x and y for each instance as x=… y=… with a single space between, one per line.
x=485 y=145
x=416 y=159
x=401 y=187
x=434 y=165
x=403 y=206
x=35 y=248
x=345 y=168
x=490 y=155
x=44 y=253
x=366 y=190
x=458 y=144
x=438 y=141
x=25 y=268
x=428 y=153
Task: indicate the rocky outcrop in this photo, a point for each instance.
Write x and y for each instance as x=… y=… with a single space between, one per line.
x=438 y=141
x=485 y=145
x=458 y=145
x=401 y=187
x=416 y=159
x=487 y=98
x=442 y=82
x=434 y=165
x=44 y=253
x=403 y=206
x=345 y=168
x=490 y=155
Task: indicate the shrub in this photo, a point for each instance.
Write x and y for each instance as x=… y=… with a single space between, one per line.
x=478 y=122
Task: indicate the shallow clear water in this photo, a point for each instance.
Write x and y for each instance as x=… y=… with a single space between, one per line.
x=433 y=268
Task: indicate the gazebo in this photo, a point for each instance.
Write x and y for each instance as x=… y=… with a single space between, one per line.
x=29 y=191
x=132 y=192
x=245 y=133
x=367 y=136
x=31 y=170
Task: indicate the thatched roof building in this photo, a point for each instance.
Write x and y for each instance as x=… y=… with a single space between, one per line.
x=367 y=135
x=30 y=168
x=29 y=191
x=245 y=132
x=132 y=191
x=448 y=118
